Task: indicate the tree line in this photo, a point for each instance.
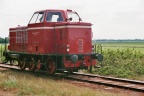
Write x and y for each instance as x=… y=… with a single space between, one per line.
x=118 y=40
x=3 y=40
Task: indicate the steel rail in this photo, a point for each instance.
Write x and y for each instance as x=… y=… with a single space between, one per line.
x=37 y=72
x=115 y=82
x=112 y=78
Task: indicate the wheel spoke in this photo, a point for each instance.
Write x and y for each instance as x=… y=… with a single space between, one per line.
x=39 y=64
x=50 y=66
x=22 y=63
x=31 y=64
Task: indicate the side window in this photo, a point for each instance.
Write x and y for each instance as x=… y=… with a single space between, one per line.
x=37 y=18
x=74 y=17
x=54 y=17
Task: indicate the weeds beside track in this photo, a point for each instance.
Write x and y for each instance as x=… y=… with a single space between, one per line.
x=39 y=83
x=104 y=80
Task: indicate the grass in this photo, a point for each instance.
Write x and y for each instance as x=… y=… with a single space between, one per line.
x=139 y=46
x=22 y=84
x=123 y=62
x=2 y=48
x=122 y=59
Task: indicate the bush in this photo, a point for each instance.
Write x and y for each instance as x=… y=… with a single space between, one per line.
x=126 y=63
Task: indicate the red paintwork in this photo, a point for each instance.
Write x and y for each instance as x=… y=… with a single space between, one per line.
x=88 y=61
x=53 y=37
x=20 y=46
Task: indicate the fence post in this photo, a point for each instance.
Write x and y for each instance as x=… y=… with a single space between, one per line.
x=5 y=45
x=1 y=53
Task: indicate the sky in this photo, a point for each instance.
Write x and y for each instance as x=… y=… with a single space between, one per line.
x=111 y=19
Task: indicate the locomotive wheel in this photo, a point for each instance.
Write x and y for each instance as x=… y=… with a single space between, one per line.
x=31 y=65
x=50 y=66
x=39 y=64
x=22 y=63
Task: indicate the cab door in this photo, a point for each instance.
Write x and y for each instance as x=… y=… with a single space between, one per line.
x=36 y=33
x=54 y=20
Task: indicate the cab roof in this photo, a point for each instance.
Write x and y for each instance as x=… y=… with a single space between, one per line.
x=53 y=10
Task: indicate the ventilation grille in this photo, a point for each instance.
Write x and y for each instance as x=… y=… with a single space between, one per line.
x=80 y=45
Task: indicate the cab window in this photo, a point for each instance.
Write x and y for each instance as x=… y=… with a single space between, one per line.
x=54 y=17
x=37 y=18
x=73 y=16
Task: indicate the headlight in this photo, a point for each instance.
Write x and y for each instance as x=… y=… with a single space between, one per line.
x=74 y=58
x=100 y=57
x=97 y=56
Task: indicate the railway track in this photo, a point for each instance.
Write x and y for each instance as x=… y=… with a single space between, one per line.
x=95 y=79
x=109 y=81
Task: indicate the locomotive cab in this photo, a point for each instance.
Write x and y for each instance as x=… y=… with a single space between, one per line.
x=53 y=40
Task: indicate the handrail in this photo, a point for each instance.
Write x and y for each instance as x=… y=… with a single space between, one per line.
x=63 y=51
x=56 y=48
x=98 y=48
x=62 y=47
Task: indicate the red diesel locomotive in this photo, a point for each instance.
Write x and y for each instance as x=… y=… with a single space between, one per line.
x=53 y=40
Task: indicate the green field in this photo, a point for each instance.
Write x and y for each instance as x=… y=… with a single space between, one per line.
x=138 y=46
x=122 y=59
